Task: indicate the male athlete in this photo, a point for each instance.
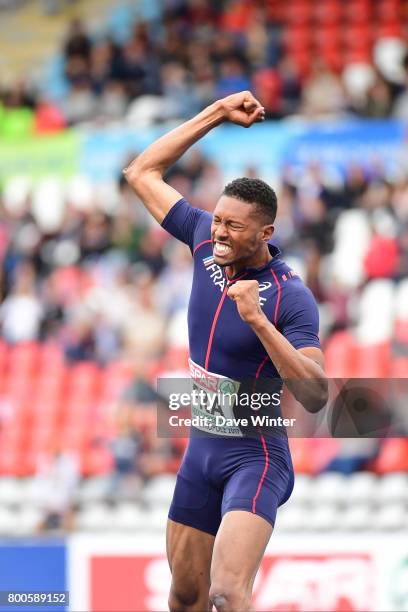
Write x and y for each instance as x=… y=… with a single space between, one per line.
x=250 y=317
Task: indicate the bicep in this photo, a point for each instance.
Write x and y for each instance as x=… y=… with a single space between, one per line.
x=157 y=196
x=299 y=318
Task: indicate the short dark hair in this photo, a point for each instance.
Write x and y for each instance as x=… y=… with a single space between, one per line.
x=254 y=191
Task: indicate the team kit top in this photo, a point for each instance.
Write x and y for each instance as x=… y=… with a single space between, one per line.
x=223 y=347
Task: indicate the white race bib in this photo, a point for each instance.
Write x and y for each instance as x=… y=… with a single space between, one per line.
x=213 y=400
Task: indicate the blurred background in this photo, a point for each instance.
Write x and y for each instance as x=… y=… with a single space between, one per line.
x=94 y=293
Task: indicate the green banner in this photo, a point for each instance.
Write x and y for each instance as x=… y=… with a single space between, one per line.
x=40 y=156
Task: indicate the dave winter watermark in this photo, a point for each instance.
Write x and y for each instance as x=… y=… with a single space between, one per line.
x=221 y=421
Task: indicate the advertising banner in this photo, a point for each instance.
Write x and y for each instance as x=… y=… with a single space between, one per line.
x=338 y=144
x=322 y=573
x=101 y=154
x=41 y=156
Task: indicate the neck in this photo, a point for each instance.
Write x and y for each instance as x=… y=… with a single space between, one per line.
x=258 y=260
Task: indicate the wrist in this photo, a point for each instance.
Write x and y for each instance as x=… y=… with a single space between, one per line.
x=259 y=322
x=218 y=111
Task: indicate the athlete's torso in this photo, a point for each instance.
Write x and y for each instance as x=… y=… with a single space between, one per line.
x=220 y=341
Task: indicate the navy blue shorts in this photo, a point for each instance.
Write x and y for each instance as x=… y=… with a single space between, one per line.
x=222 y=474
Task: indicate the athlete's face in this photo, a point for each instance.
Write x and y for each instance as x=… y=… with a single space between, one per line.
x=238 y=233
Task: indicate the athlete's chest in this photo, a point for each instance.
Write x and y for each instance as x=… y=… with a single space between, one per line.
x=214 y=317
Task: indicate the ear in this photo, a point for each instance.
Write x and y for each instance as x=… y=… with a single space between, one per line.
x=267 y=231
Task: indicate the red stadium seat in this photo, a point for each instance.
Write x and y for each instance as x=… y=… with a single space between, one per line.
x=328 y=36
x=19 y=421
x=302 y=60
x=276 y=11
x=340 y=355
x=4 y=353
x=399 y=367
x=11 y=463
x=10 y=453
x=267 y=84
x=50 y=387
x=46 y=412
x=401 y=331
x=96 y=460
x=84 y=375
x=388 y=10
x=373 y=361
x=51 y=358
x=357 y=56
x=18 y=386
x=115 y=378
x=302 y=456
x=237 y=18
x=393 y=456
x=356 y=32
x=78 y=414
x=328 y=12
x=44 y=438
x=297 y=38
x=23 y=358
x=358 y=11
x=333 y=58
x=176 y=358
x=391 y=29
x=298 y=12
x=74 y=437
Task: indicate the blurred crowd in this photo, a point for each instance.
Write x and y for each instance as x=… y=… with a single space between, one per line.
x=201 y=50
x=59 y=285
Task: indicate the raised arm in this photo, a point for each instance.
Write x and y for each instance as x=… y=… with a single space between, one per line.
x=145 y=173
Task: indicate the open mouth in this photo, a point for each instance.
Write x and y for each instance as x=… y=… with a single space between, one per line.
x=220 y=249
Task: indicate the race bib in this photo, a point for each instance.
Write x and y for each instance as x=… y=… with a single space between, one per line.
x=213 y=398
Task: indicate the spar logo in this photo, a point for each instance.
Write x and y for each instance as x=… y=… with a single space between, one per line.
x=218 y=278
x=206 y=379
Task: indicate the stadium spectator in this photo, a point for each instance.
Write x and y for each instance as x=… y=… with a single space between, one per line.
x=21 y=312
x=56 y=479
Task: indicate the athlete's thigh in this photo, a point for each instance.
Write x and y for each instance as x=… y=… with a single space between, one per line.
x=238 y=549
x=189 y=552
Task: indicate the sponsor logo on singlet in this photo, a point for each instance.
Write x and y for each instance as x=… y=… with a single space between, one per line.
x=218 y=277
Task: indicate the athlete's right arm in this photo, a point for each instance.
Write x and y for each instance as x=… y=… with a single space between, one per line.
x=145 y=173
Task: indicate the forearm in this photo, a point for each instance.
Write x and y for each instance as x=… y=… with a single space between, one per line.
x=165 y=151
x=304 y=377
x=145 y=173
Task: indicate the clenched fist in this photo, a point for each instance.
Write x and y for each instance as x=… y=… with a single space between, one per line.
x=242 y=108
x=245 y=294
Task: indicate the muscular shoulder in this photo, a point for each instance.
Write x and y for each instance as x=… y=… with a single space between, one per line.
x=294 y=310
x=187 y=223
x=295 y=295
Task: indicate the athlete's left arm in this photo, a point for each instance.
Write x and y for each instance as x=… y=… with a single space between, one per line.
x=302 y=369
